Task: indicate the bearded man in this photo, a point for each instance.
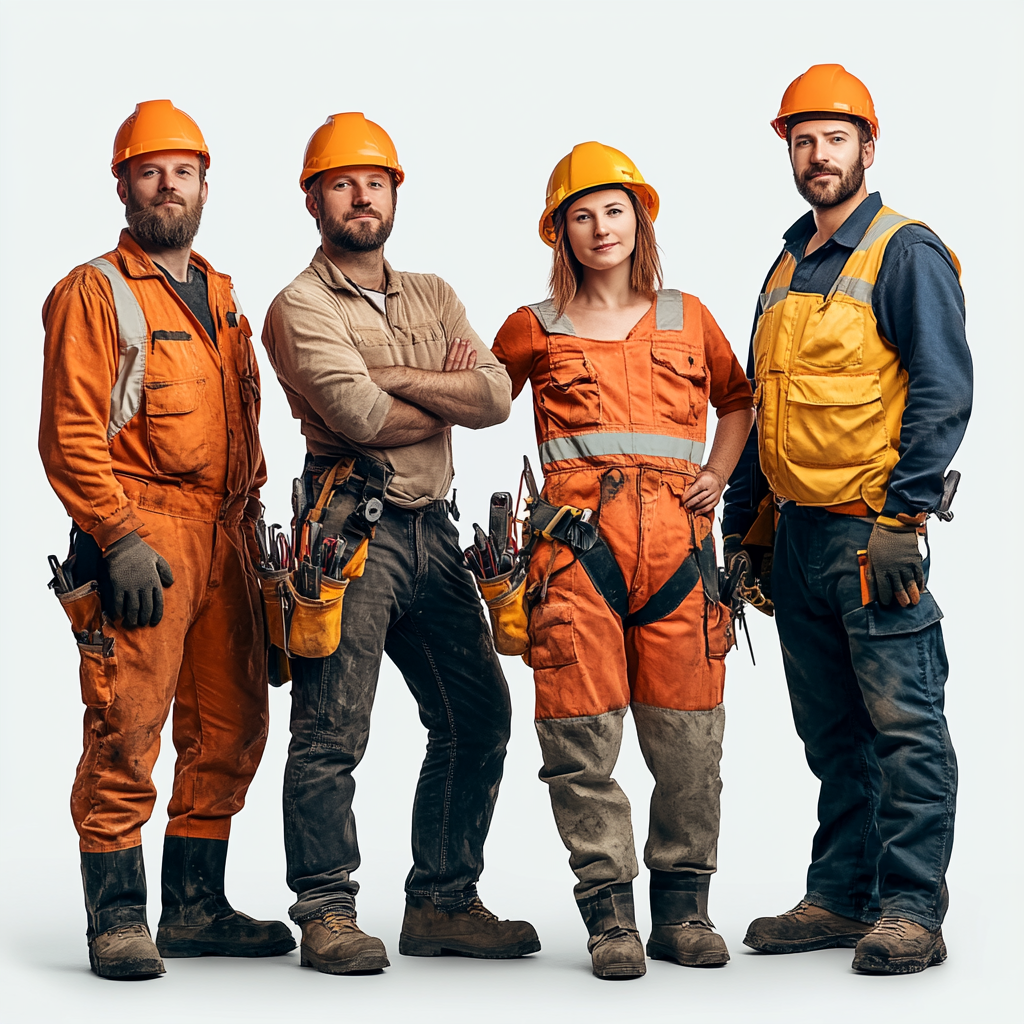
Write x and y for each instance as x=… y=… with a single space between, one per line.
x=378 y=365
x=149 y=436
x=863 y=390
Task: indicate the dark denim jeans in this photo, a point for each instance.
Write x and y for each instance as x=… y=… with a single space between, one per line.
x=866 y=685
x=416 y=602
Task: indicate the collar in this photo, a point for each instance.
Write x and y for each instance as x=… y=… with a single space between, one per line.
x=334 y=278
x=136 y=262
x=850 y=232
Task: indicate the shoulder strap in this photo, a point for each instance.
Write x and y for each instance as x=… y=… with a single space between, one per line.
x=132 y=335
x=669 y=310
x=547 y=314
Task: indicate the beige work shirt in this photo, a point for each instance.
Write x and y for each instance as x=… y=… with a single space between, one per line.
x=322 y=335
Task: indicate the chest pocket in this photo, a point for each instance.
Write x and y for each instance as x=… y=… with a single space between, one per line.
x=173 y=355
x=176 y=433
x=571 y=396
x=679 y=381
x=833 y=336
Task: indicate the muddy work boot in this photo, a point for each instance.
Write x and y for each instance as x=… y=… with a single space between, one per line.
x=898 y=946
x=682 y=931
x=197 y=919
x=333 y=943
x=804 y=928
x=616 y=951
x=115 y=902
x=469 y=930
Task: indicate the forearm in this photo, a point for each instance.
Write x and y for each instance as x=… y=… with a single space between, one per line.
x=406 y=424
x=730 y=439
x=461 y=397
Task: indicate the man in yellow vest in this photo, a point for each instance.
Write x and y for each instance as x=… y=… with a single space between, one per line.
x=863 y=386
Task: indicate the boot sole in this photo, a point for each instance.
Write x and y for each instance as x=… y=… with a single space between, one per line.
x=176 y=949
x=126 y=970
x=620 y=972
x=900 y=965
x=804 y=945
x=409 y=945
x=361 y=963
x=711 y=958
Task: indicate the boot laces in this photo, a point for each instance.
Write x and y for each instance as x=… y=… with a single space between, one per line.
x=798 y=909
x=339 y=920
x=477 y=909
x=894 y=926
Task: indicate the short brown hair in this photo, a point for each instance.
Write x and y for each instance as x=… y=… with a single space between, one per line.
x=567 y=271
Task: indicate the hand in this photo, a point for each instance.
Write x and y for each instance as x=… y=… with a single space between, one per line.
x=894 y=562
x=755 y=583
x=461 y=356
x=704 y=493
x=137 y=576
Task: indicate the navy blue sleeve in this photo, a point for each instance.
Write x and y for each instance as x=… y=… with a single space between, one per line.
x=919 y=306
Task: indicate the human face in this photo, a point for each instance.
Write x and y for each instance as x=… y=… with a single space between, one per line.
x=163 y=196
x=355 y=207
x=601 y=228
x=828 y=161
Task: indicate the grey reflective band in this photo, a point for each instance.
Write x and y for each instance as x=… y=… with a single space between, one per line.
x=547 y=313
x=884 y=223
x=669 y=310
x=132 y=335
x=238 y=306
x=856 y=287
x=769 y=299
x=582 y=446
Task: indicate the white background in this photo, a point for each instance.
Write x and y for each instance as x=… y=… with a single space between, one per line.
x=482 y=99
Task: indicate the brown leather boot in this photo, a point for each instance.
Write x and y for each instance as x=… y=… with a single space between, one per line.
x=126 y=951
x=334 y=944
x=804 y=928
x=898 y=946
x=616 y=952
x=682 y=931
x=471 y=930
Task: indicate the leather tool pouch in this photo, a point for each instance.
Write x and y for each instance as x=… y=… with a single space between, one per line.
x=98 y=665
x=505 y=599
x=304 y=627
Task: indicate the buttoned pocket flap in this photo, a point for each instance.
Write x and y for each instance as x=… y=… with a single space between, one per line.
x=892 y=620
x=173 y=398
x=569 y=371
x=684 y=360
x=835 y=389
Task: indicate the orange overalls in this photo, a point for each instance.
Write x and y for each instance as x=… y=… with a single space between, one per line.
x=621 y=429
x=149 y=424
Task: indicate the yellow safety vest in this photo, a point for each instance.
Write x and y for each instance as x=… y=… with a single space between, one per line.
x=830 y=389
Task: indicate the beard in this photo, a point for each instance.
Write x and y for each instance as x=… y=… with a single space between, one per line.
x=822 y=195
x=364 y=236
x=167 y=229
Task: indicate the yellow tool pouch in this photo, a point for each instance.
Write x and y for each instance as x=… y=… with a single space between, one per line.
x=504 y=596
x=304 y=627
x=97 y=669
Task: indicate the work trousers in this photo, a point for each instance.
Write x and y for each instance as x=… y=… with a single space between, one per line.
x=416 y=602
x=866 y=685
x=588 y=669
x=206 y=657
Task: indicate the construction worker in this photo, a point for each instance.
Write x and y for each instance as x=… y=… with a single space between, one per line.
x=863 y=392
x=622 y=372
x=148 y=434
x=377 y=366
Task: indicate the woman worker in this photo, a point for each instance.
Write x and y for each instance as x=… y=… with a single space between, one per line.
x=622 y=373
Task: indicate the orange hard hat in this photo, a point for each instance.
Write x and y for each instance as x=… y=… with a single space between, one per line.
x=157 y=125
x=829 y=88
x=590 y=164
x=350 y=140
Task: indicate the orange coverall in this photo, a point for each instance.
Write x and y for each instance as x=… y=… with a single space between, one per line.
x=621 y=428
x=183 y=471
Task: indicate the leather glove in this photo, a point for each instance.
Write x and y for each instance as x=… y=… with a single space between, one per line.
x=137 y=577
x=756 y=578
x=895 y=566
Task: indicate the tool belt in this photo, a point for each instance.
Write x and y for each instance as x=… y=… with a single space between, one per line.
x=306 y=627
x=566 y=524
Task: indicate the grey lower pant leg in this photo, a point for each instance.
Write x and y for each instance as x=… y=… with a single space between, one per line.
x=683 y=750
x=591 y=811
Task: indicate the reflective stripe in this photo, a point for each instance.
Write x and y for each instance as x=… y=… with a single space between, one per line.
x=132 y=335
x=875 y=231
x=856 y=287
x=668 y=310
x=582 y=446
x=238 y=306
x=769 y=299
x=547 y=313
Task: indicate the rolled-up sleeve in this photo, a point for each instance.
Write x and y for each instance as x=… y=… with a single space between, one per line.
x=316 y=361
x=730 y=389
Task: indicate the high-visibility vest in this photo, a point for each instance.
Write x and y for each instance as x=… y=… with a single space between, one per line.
x=830 y=390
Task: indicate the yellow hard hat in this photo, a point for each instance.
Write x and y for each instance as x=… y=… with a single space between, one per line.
x=828 y=88
x=588 y=165
x=155 y=126
x=349 y=140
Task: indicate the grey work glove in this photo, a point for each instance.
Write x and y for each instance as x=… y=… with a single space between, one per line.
x=894 y=562
x=137 y=577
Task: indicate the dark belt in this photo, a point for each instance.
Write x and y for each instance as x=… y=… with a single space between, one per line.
x=593 y=553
